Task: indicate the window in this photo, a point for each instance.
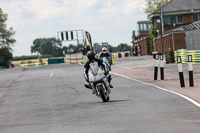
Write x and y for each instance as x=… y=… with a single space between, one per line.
x=143 y=27
x=196 y=17
x=150 y=25
x=169 y=20
x=179 y=19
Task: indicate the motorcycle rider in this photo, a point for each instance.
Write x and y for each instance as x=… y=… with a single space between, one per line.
x=92 y=59
x=104 y=53
x=107 y=55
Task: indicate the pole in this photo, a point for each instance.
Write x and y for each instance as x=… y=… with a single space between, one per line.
x=161 y=16
x=180 y=70
x=161 y=67
x=190 y=69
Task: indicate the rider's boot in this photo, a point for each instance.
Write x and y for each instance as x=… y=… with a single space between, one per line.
x=110 y=86
x=109 y=80
x=87 y=85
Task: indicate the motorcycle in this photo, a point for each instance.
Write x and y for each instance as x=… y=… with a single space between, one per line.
x=105 y=60
x=98 y=81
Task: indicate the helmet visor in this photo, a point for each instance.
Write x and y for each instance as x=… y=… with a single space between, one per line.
x=104 y=51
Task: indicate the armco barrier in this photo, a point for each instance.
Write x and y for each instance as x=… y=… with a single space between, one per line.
x=123 y=55
x=126 y=54
x=119 y=55
x=115 y=55
x=55 y=60
x=184 y=56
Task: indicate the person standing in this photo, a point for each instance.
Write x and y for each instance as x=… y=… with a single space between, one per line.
x=136 y=50
x=139 y=50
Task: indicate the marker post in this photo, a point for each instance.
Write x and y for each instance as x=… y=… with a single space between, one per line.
x=161 y=67
x=180 y=70
x=156 y=68
x=190 y=69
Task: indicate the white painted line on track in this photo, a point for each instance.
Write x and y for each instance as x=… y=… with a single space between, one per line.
x=181 y=95
x=51 y=75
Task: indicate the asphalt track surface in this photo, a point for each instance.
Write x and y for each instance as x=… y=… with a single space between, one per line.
x=52 y=99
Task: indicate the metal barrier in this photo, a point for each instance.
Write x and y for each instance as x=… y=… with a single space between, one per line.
x=184 y=55
x=113 y=56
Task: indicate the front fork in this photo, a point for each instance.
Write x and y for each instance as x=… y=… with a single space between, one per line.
x=105 y=80
x=106 y=83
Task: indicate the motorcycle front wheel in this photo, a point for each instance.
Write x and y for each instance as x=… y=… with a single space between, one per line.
x=102 y=93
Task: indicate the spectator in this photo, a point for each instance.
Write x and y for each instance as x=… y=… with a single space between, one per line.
x=68 y=51
x=71 y=50
x=136 y=49
x=83 y=50
x=87 y=48
x=139 y=49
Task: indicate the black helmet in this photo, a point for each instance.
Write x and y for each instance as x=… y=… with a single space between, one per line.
x=91 y=55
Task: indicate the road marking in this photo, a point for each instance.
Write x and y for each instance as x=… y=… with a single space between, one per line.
x=130 y=68
x=176 y=93
x=134 y=67
x=51 y=75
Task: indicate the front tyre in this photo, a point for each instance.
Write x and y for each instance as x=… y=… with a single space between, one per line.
x=102 y=93
x=108 y=98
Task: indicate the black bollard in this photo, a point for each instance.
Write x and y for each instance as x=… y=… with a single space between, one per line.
x=180 y=70
x=190 y=69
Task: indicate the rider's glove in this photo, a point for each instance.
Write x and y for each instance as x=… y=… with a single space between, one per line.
x=106 y=72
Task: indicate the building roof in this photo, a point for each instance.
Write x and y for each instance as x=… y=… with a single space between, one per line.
x=193 y=26
x=144 y=21
x=184 y=6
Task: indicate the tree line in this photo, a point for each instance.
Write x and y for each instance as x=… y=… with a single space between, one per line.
x=53 y=46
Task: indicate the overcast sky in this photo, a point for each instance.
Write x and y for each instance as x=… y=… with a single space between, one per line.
x=109 y=21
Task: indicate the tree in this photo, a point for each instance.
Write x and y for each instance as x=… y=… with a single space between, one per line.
x=112 y=49
x=40 y=59
x=123 y=47
x=5 y=57
x=35 y=48
x=152 y=5
x=153 y=33
x=6 y=35
x=47 y=46
x=6 y=41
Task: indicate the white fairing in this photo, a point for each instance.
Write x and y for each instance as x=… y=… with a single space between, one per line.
x=95 y=73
